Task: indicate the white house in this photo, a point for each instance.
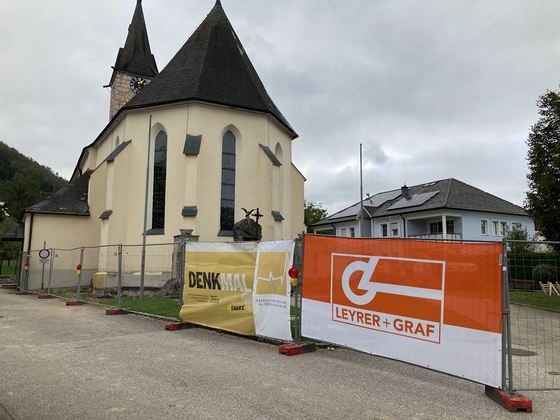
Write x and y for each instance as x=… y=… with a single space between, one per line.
x=202 y=139
x=445 y=209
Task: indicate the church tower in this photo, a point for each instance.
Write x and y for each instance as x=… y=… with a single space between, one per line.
x=135 y=66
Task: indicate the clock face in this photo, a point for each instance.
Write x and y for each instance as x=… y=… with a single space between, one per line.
x=137 y=83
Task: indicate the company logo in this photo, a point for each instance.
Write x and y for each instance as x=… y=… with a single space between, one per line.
x=271 y=273
x=399 y=296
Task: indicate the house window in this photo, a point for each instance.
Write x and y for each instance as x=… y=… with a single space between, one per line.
x=394 y=229
x=384 y=231
x=484 y=227
x=352 y=232
x=227 y=208
x=343 y=232
x=436 y=228
x=503 y=228
x=496 y=225
x=516 y=225
x=450 y=224
x=160 y=175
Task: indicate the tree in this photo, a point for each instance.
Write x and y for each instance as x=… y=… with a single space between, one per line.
x=19 y=192
x=313 y=212
x=543 y=197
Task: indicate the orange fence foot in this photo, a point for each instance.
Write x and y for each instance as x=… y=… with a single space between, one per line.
x=44 y=296
x=114 y=311
x=511 y=402
x=10 y=286
x=293 y=349
x=74 y=303
x=174 y=326
x=23 y=293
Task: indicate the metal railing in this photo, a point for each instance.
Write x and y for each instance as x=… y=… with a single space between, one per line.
x=534 y=314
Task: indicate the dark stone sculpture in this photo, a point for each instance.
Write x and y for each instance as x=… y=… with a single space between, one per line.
x=248 y=229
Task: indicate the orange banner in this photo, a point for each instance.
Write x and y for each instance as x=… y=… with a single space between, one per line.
x=456 y=284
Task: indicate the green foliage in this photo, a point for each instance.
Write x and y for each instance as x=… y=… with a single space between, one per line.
x=156 y=305
x=313 y=213
x=519 y=234
x=22 y=180
x=545 y=273
x=543 y=197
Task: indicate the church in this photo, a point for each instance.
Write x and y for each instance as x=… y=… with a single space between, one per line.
x=185 y=151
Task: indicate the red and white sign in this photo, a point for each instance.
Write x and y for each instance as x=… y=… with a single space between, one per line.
x=432 y=304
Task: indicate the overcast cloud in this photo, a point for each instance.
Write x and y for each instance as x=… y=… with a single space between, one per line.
x=433 y=89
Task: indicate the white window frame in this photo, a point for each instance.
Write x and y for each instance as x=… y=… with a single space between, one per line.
x=484 y=222
x=518 y=224
x=496 y=227
x=392 y=230
x=386 y=233
x=343 y=231
x=504 y=227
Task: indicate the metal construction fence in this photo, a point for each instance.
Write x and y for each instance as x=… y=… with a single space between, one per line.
x=120 y=275
x=534 y=311
x=105 y=274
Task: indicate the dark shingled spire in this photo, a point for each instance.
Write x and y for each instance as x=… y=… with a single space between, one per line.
x=136 y=56
x=212 y=66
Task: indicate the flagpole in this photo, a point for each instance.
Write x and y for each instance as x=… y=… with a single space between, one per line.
x=361 y=194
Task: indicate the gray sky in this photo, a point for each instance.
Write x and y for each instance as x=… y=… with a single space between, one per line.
x=433 y=89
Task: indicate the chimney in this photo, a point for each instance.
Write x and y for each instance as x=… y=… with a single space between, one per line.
x=405 y=193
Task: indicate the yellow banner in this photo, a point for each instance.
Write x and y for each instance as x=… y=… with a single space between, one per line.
x=218 y=289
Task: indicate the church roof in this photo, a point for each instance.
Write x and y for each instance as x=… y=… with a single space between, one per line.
x=136 y=57
x=70 y=200
x=212 y=66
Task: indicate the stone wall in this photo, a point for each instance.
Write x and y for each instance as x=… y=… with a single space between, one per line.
x=120 y=92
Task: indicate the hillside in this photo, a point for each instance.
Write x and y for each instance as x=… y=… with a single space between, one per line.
x=23 y=181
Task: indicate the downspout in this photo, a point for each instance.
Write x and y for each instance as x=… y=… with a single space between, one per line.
x=30 y=235
x=404 y=226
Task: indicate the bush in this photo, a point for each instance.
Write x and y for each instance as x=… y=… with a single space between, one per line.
x=545 y=273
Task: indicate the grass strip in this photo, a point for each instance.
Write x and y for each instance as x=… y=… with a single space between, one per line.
x=535 y=299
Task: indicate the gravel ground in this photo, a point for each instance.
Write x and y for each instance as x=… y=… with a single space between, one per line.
x=59 y=362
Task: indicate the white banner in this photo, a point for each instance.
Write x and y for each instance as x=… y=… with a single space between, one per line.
x=271 y=293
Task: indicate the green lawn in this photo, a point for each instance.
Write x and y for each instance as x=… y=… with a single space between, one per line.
x=8 y=267
x=156 y=305
x=536 y=299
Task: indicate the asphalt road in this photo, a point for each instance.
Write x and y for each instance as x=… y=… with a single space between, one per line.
x=59 y=362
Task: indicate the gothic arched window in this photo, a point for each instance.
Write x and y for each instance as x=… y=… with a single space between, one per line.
x=227 y=206
x=160 y=171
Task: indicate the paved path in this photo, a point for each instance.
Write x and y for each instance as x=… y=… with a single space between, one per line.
x=59 y=362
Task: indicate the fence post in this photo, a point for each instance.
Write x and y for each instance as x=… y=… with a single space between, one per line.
x=26 y=277
x=51 y=270
x=297 y=292
x=508 y=320
x=119 y=278
x=80 y=274
x=182 y=258
x=142 y=269
x=18 y=268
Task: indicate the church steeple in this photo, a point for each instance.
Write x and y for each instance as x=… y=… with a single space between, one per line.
x=212 y=66
x=135 y=65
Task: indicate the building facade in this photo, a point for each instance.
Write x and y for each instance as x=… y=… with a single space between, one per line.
x=192 y=145
x=446 y=209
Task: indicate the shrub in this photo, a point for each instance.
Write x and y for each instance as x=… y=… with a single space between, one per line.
x=545 y=273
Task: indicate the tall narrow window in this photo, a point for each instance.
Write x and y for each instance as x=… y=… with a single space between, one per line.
x=227 y=209
x=160 y=172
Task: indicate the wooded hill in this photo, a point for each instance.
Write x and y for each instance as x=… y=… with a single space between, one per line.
x=23 y=181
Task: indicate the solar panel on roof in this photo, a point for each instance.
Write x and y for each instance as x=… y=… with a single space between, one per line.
x=413 y=201
x=381 y=198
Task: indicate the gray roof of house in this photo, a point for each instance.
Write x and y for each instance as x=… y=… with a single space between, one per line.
x=212 y=66
x=71 y=199
x=446 y=193
x=136 y=57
